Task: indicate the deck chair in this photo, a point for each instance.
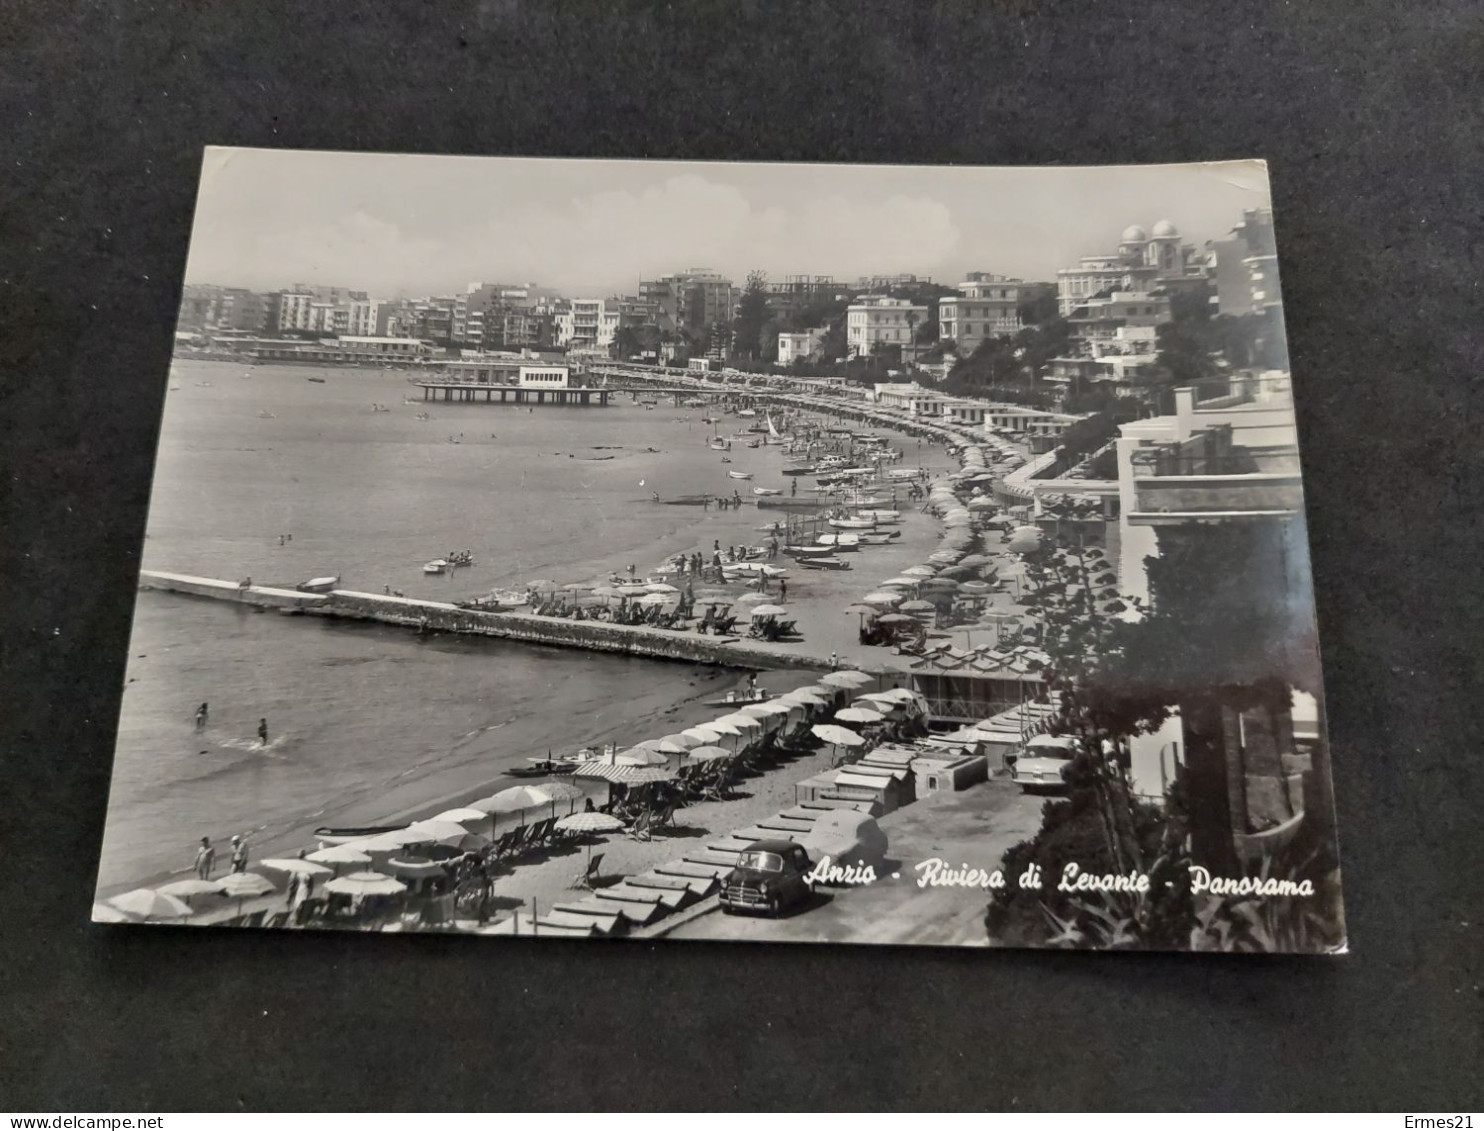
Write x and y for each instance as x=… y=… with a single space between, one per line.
x=585 y=878
x=643 y=827
x=664 y=818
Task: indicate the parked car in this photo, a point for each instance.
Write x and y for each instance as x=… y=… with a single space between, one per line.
x=1043 y=764
x=769 y=877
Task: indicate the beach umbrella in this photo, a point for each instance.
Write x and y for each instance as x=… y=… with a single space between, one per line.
x=895 y=694
x=857 y=715
x=919 y=571
x=848 y=679
x=767 y=611
x=837 y=736
x=243 y=886
x=974 y=587
x=940 y=583
x=660 y=587
x=296 y=866
x=683 y=740
x=981 y=504
x=512 y=800
x=905 y=582
x=467 y=817
x=654 y=599
x=863 y=609
x=709 y=753
x=339 y=854
x=739 y=720
x=882 y=597
x=805 y=698
x=1025 y=539
x=640 y=756
x=186 y=889
x=703 y=735
x=589 y=823
x=557 y=790
x=896 y=618
x=607 y=591
x=144 y=905
x=663 y=746
x=918 y=607
x=720 y=726
x=643 y=775
x=413 y=867
x=365 y=883
x=437 y=832
x=575 y=587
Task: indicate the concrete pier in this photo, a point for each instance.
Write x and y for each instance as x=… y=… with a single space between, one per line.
x=440 y=616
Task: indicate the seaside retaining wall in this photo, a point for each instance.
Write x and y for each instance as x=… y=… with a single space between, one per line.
x=259 y=596
x=439 y=616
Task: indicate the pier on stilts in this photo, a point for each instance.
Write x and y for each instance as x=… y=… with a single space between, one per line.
x=468 y=392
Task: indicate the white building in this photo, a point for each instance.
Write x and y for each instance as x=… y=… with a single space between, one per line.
x=966 y=412
x=1145 y=261
x=912 y=399
x=802 y=345
x=544 y=376
x=989 y=307
x=874 y=321
x=1131 y=354
x=295 y=310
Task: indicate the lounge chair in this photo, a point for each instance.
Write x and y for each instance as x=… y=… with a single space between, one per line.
x=586 y=878
x=643 y=827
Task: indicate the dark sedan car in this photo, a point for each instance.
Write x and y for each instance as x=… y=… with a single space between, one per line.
x=769 y=877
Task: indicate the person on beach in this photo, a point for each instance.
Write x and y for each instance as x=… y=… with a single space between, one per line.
x=239 y=855
x=834 y=661
x=782 y=589
x=262 y=732
x=201 y=713
x=205 y=859
x=589 y=807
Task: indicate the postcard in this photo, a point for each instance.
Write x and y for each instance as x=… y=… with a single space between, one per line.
x=783 y=553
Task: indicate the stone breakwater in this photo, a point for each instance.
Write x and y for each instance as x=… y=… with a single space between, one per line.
x=438 y=616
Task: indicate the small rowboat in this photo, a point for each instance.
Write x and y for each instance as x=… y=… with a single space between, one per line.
x=808 y=551
x=739 y=475
x=543 y=767
x=438 y=565
x=765 y=491
x=852 y=523
x=824 y=563
x=328 y=837
x=319 y=584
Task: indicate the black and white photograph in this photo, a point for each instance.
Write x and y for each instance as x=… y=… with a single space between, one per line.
x=738 y=552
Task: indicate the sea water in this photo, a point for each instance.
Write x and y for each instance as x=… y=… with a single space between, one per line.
x=367 y=721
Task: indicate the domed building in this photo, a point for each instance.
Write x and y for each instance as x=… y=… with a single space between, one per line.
x=1155 y=259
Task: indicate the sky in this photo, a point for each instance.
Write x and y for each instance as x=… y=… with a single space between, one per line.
x=403 y=225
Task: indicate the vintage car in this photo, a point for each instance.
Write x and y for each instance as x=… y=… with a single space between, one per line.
x=1043 y=764
x=769 y=877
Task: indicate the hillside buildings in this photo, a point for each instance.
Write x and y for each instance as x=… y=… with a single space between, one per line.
x=1157 y=260
x=694 y=300
x=988 y=307
x=874 y=322
x=1245 y=267
x=802 y=345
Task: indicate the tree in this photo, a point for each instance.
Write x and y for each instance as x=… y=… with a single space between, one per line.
x=631 y=341
x=752 y=316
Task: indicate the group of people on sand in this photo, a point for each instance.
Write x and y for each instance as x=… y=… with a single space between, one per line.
x=206 y=857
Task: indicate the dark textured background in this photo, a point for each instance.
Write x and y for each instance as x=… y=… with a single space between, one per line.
x=1370 y=115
